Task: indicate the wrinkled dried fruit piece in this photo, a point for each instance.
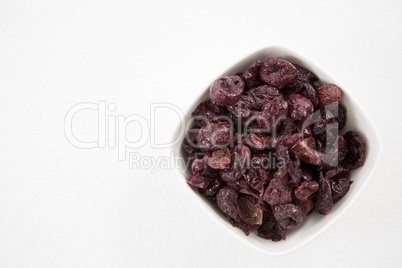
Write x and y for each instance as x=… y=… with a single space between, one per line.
x=198 y=181
x=226 y=90
x=226 y=199
x=305 y=189
x=327 y=94
x=324 y=202
x=342 y=115
x=249 y=191
x=198 y=166
x=306 y=206
x=190 y=141
x=334 y=153
x=307 y=175
x=279 y=191
x=220 y=159
x=257 y=179
x=212 y=188
x=356 y=151
x=255 y=142
x=263 y=94
x=240 y=162
x=340 y=185
x=299 y=107
x=273 y=114
x=249 y=211
x=214 y=136
x=288 y=215
x=238 y=184
x=303 y=76
x=291 y=163
x=250 y=75
x=289 y=140
x=264 y=161
x=245 y=227
x=333 y=172
x=242 y=109
x=307 y=151
x=288 y=127
x=207 y=112
x=310 y=93
x=326 y=121
x=277 y=72
x=270 y=228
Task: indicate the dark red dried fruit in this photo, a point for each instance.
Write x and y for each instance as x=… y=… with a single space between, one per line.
x=288 y=127
x=226 y=199
x=333 y=172
x=245 y=227
x=264 y=161
x=214 y=136
x=277 y=72
x=325 y=123
x=190 y=141
x=212 y=188
x=207 y=112
x=261 y=154
x=306 y=151
x=291 y=163
x=305 y=189
x=324 y=202
x=270 y=228
x=273 y=114
x=303 y=76
x=289 y=140
x=306 y=175
x=328 y=94
x=250 y=75
x=257 y=179
x=220 y=159
x=288 y=215
x=356 y=151
x=263 y=94
x=240 y=162
x=279 y=191
x=242 y=109
x=226 y=90
x=310 y=93
x=199 y=165
x=238 y=185
x=249 y=211
x=341 y=117
x=198 y=181
x=255 y=142
x=339 y=112
x=340 y=185
x=334 y=153
x=299 y=107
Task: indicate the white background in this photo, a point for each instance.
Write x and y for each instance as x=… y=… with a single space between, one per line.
x=61 y=206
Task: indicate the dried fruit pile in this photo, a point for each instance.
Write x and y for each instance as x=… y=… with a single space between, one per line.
x=267 y=149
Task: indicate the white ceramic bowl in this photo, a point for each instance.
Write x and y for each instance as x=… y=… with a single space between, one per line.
x=315 y=223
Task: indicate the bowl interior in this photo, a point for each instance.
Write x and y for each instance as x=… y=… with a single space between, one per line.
x=315 y=223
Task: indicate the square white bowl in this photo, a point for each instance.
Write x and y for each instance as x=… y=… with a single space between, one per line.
x=314 y=224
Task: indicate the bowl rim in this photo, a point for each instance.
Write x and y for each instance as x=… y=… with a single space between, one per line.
x=375 y=140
